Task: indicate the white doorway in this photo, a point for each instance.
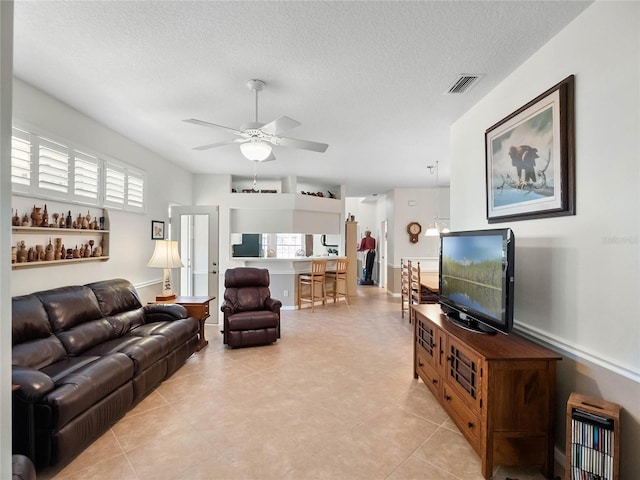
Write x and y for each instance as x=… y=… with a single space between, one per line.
x=196 y=230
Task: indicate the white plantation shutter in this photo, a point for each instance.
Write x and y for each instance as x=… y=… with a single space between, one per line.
x=86 y=177
x=53 y=166
x=135 y=191
x=115 y=186
x=20 y=160
x=48 y=169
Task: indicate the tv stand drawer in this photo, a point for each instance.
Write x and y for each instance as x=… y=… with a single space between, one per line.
x=428 y=374
x=468 y=423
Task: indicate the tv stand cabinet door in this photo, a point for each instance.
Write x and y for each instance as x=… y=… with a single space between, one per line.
x=463 y=373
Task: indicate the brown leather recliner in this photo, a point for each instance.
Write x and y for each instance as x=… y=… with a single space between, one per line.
x=251 y=316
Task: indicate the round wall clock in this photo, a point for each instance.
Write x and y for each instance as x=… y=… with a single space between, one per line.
x=414 y=229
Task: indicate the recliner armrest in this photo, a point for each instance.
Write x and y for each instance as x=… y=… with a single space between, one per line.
x=33 y=383
x=227 y=308
x=164 y=312
x=273 y=304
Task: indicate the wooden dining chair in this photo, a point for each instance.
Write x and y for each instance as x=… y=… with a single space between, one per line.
x=313 y=283
x=338 y=280
x=405 y=292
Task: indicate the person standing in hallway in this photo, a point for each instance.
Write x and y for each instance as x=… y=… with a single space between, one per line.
x=368 y=246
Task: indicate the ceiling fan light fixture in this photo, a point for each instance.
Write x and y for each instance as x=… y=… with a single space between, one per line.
x=255 y=150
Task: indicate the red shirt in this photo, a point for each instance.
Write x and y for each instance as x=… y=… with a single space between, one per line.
x=367 y=243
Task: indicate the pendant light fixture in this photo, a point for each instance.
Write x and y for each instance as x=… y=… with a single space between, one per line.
x=435 y=229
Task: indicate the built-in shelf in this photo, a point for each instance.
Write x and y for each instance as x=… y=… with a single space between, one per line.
x=74 y=236
x=50 y=263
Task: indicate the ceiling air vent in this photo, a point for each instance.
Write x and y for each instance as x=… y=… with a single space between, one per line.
x=463 y=83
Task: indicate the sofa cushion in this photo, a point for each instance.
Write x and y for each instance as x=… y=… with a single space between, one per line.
x=142 y=351
x=253 y=320
x=115 y=296
x=67 y=366
x=34 y=344
x=124 y=322
x=177 y=332
x=86 y=386
x=76 y=318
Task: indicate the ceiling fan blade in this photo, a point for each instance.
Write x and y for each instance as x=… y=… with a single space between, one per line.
x=280 y=125
x=220 y=144
x=303 y=144
x=209 y=124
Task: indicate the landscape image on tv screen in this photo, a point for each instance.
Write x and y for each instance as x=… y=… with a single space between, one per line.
x=472 y=273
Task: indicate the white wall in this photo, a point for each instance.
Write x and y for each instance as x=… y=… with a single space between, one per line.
x=577 y=277
x=130 y=240
x=416 y=205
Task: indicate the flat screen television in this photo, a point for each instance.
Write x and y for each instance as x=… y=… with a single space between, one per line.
x=477 y=279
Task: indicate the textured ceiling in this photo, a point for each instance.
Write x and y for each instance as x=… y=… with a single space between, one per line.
x=365 y=77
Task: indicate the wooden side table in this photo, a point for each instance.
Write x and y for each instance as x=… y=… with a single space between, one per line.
x=197 y=307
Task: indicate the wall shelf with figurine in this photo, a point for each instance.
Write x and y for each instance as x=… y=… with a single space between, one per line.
x=43 y=240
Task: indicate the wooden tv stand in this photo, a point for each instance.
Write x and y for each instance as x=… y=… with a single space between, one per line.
x=498 y=389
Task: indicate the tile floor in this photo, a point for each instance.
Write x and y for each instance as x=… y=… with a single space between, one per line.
x=335 y=398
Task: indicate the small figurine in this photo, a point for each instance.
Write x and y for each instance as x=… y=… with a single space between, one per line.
x=36 y=217
x=48 y=252
x=25 y=220
x=58 y=250
x=15 y=221
x=69 y=221
x=22 y=254
x=45 y=217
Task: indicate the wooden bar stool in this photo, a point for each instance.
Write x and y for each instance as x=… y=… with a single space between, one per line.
x=338 y=278
x=315 y=280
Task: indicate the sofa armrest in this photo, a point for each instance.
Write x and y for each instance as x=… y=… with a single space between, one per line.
x=164 y=312
x=273 y=304
x=227 y=308
x=33 y=383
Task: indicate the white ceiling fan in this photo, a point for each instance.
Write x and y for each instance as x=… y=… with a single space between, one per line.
x=256 y=138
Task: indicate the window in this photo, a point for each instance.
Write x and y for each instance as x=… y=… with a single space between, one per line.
x=86 y=177
x=124 y=187
x=47 y=168
x=20 y=159
x=287 y=245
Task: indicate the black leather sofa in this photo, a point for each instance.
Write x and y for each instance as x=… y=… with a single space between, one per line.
x=82 y=356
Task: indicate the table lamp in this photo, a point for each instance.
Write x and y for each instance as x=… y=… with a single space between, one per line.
x=166 y=256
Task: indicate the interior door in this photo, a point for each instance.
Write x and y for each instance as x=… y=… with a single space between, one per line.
x=196 y=230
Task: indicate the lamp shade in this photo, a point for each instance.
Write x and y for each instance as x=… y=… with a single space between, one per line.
x=165 y=255
x=432 y=231
x=255 y=150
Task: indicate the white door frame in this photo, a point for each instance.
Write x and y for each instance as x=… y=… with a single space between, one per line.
x=212 y=212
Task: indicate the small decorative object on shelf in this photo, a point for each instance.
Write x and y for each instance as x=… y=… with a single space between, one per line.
x=69 y=221
x=36 y=216
x=45 y=217
x=15 y=220
x=22 y=253
x=48 y=253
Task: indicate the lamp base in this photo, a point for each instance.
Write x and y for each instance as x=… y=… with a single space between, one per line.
x=164 y=298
